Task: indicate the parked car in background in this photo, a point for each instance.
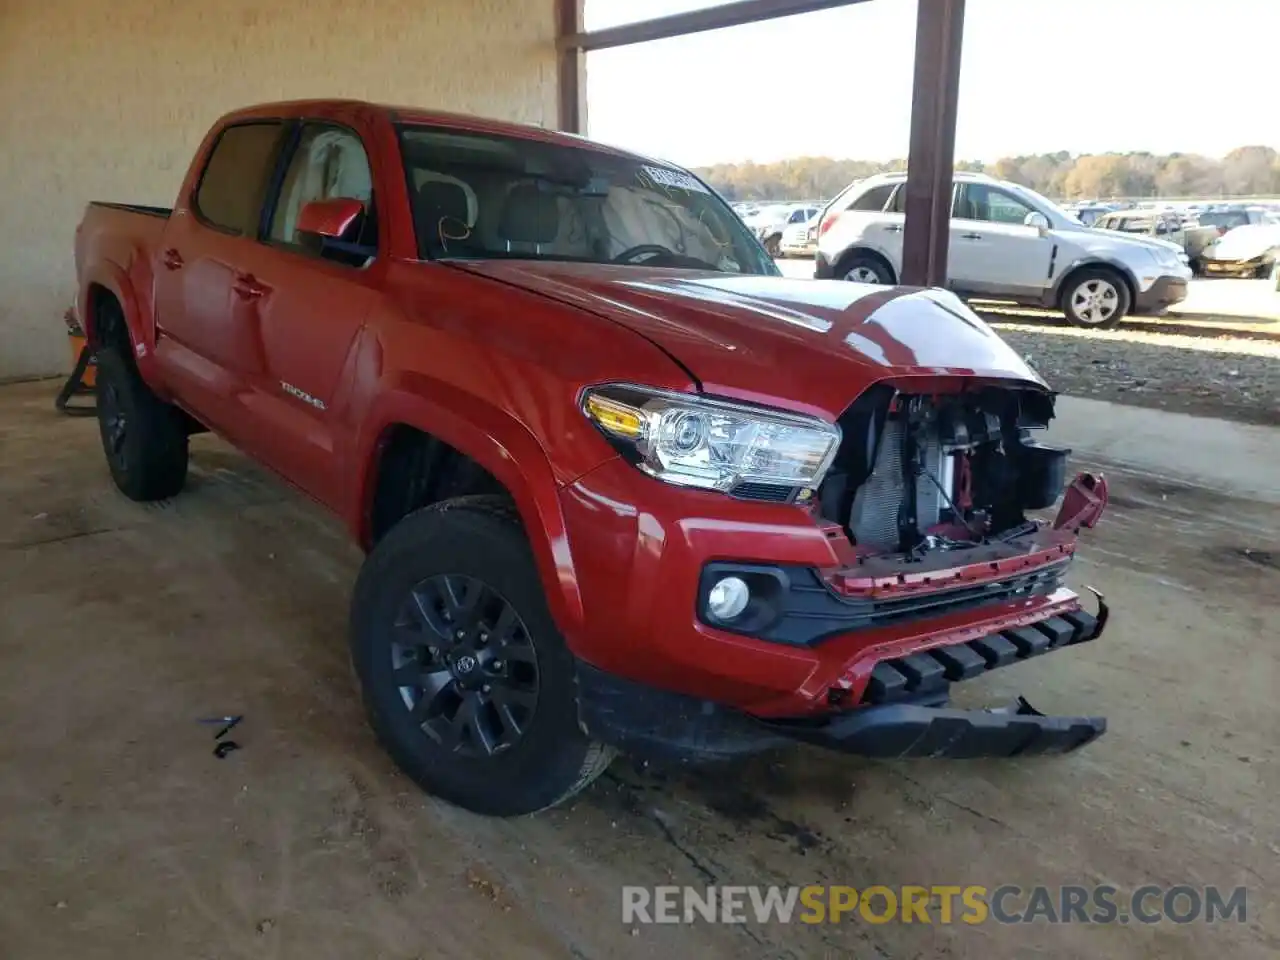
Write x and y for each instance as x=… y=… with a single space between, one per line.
x=1007 y=243
x=1248 y=251
x=769 y=223
x=801 y=239
x=1089 y=213
x=1165 y=225
x=1226 y=218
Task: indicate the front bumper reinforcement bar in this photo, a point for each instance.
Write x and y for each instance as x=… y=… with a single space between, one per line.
x=914 y=730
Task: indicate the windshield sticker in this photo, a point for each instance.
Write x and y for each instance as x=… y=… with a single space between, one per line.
x=674 y=178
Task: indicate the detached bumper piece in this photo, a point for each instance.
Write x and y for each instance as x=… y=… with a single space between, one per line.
x=933 y=671
x=909 y=730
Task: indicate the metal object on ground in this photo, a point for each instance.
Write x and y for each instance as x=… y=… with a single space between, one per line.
x=82 y=376
x=227 y=724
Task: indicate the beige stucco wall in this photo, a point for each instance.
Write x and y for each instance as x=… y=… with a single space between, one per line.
x=106 y=99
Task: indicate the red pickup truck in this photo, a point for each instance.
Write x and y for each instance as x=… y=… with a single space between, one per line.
x=621 y=485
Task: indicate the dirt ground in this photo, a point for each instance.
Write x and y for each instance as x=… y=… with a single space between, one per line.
x=121 y=836
x=1217 y=356
x=1188 y=371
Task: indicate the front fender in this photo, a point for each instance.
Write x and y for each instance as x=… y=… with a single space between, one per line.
x=500 y=444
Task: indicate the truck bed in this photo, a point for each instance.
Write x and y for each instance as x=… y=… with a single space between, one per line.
x=124 y=236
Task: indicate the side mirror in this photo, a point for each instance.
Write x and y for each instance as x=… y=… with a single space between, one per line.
x=1037 y=220
x=330 y=219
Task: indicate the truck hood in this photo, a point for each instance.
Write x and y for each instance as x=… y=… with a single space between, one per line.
x=810 y=345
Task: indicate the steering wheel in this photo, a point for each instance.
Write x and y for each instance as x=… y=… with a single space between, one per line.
x=656 y=249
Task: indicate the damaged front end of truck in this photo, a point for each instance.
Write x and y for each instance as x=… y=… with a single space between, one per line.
x=938 y=495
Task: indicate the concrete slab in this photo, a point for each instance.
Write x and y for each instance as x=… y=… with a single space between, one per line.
x=1241 y=458
x=122 y=836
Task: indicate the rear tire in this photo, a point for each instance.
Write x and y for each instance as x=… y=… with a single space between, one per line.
x=466 y=680
x=1095 y=298
x=144 y=438
x=865 y=268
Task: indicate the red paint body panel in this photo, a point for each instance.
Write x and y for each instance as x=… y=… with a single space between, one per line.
x=306 y=364
x=810 y=345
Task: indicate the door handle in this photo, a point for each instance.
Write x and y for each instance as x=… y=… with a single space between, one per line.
x=970 y=236
x=172 y=259
x=247 y=288
x=893 y=228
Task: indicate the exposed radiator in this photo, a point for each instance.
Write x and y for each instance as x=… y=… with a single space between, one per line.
x=874 y=519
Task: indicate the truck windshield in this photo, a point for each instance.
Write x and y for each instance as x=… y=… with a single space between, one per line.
x=487 y=196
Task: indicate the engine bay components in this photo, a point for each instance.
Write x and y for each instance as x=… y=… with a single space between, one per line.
x=922 y=472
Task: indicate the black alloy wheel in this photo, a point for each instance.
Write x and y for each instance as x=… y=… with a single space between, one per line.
x=465 y=665
x=143 y=438
x=115 y=425
x=466 y=679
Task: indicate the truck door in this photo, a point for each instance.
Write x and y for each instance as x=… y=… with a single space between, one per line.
x=200 y=345
x=308 y=299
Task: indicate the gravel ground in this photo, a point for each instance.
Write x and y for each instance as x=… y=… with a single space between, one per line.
x=1233 y=378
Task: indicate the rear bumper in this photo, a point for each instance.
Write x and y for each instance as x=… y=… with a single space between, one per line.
x=806 y=248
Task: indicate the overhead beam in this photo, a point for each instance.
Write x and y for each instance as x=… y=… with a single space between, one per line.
x=931 y=161
x=695 y=21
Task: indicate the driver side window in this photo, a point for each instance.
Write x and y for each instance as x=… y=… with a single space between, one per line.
x=991 y=205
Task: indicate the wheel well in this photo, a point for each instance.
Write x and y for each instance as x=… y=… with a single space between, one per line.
x=107 y=325
x=1067 y=280
x=842 y=265
x=415 y=470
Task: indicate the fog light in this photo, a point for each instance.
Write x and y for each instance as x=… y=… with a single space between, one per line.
x=728 y=598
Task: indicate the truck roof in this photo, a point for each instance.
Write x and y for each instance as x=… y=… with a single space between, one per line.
x=443 y=118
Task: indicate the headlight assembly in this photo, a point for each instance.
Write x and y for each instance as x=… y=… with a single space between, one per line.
x=695 y=442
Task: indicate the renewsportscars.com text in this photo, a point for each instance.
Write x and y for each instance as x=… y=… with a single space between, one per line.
x=940 y=904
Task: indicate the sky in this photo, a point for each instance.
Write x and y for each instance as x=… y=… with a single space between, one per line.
x=1087 y=76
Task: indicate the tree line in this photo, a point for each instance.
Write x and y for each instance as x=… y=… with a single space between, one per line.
x=1245 y=171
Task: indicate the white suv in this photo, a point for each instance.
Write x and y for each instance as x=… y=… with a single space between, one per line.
x=1007 y=243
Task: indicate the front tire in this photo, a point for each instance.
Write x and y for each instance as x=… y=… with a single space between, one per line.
x=773 y=245
x=144 y=438
x=1095 y=299
x=467 y=682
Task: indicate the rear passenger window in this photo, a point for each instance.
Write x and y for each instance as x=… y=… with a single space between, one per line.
x=233 y=186
x=874 y=199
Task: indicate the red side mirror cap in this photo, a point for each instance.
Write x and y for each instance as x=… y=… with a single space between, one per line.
x=329 y=218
